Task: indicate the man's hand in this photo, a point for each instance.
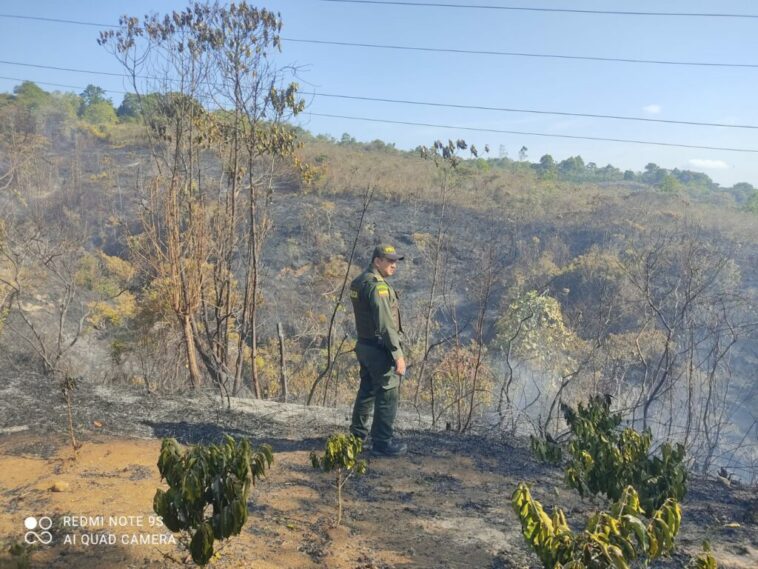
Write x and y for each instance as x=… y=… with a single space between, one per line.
x=400 y=366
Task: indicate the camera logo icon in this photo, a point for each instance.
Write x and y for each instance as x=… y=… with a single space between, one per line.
x=43 y=536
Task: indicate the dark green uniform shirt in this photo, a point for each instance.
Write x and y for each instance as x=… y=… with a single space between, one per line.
x=377 y=310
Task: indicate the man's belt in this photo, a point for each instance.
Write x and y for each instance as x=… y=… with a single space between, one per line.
x=375 y=342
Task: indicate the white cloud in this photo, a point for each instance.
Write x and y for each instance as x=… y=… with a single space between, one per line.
x=708 y=164
x=652 y=109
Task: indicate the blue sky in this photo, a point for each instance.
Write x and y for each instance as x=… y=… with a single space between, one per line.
x=702 y=94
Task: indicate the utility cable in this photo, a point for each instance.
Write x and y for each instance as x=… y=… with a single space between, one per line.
x=536 y=9
x=523 y=54
x=467 y=128
x=56 y=68
x=534 y=111
x=436 y=104
x=75 y=87
x=542 y=134
x=57 y=20
x=441 y=49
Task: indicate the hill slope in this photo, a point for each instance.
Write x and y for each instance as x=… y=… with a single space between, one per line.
x=447 y=504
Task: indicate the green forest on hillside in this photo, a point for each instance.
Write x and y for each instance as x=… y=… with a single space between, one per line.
x=159 y=244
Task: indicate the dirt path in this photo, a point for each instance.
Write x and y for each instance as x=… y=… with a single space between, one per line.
x=445 y=505
x=420 y=511
x=439 y=507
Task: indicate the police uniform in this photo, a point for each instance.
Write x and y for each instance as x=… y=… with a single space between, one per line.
x=377 y=321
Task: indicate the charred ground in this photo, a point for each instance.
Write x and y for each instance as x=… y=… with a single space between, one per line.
x=445 y=505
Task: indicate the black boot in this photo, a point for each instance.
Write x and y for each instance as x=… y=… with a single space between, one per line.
x=389 y=448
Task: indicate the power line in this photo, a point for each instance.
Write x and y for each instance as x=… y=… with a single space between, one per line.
x=465 y=6
x=559 y=10
x=57 y=20
x=75 y=70
x=523 y=54
x=68 y=69
x=442 y=49
x=542 y=134
x=534 y=111
x=75 y=87
x=437 y=104
x=468 y=128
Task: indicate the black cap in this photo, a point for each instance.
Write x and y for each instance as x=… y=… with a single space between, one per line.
x=387 y=252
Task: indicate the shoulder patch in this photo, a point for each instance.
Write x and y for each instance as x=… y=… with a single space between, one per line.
x=353 y=293
x=382 y=289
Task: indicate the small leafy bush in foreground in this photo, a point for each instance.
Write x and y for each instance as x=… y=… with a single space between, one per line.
x=605 y=459
x=341 y=457
x=218 y=476
x=611 y=539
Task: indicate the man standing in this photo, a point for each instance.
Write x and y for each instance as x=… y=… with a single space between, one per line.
x=380 y=355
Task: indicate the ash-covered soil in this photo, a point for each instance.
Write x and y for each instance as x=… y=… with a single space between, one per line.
x=447 y=504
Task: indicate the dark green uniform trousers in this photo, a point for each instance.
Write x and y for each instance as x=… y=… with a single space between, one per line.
x=379 y=388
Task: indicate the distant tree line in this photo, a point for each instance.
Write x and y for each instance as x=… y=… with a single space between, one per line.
x=92 y=107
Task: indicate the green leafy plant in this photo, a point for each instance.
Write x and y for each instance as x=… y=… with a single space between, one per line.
x=615 y=538
x=705 y=560
x=215 y=476
x=20 y=556
x=605 y=459
x=546 y=450
x=341 y=457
